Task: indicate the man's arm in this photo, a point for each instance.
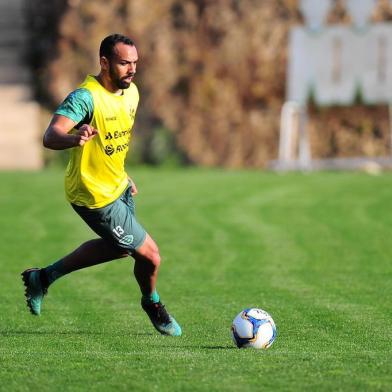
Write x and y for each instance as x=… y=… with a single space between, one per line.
x=57 y=136
x=134 y=190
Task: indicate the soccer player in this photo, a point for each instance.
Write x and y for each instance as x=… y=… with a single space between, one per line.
x=95 y=122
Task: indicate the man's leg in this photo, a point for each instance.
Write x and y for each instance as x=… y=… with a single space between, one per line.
x=147 y=262
x=90 y=253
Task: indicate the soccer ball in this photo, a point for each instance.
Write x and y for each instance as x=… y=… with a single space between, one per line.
x=253 y=328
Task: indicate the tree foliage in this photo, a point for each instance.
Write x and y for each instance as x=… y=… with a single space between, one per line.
x=211 y=71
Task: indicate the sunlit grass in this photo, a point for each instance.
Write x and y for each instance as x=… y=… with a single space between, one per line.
x=313 y=250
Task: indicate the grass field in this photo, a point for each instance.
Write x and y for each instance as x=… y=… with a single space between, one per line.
x=313 y=250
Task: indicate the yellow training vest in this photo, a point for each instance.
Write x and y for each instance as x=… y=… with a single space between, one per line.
x=95 y=175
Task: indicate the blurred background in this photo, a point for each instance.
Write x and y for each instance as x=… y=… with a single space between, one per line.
x=213 y=76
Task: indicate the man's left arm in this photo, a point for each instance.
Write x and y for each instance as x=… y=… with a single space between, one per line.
x=134 y=190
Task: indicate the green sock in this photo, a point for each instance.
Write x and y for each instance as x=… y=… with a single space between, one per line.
x=153 y=297
x=54 y=271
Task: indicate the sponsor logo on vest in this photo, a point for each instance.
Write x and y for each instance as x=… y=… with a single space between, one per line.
x=132 y=112
x=118 y=134
x=109 y=149
x=113 y=118
x=122 y=147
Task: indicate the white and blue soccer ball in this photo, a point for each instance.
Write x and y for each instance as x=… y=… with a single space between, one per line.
x=253 y=328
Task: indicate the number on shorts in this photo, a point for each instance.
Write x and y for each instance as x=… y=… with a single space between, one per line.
x=119 y=231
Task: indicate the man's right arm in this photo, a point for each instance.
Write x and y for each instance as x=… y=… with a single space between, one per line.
x=75 y=111
x=57 y=136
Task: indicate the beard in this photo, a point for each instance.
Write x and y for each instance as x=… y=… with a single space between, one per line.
x=120 y=83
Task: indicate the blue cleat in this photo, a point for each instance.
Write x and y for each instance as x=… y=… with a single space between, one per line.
x=35 y=290
x=161 y=319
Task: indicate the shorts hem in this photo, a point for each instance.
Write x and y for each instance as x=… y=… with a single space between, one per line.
x=140 y=243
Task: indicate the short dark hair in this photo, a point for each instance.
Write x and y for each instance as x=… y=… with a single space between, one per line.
x=108 y=44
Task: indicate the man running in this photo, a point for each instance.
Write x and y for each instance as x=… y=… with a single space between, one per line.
x=95 y=122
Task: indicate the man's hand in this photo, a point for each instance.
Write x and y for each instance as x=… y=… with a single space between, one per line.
x=85 y=133
x=134 y=190
x=58 y=135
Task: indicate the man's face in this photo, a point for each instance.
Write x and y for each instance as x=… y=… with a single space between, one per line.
x=122 y=65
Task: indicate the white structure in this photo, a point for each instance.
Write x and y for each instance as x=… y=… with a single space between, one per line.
x=360 y=11
x=294 y=143
x=337 y=63
x=315 y=12
x=333 y=65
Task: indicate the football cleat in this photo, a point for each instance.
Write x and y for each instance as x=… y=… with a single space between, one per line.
x=161 y=319
x=35 y=289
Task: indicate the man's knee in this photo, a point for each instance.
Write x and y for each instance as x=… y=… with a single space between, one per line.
x=150 y=252
x=153 y=256
x=149 y=260
x=156 y=259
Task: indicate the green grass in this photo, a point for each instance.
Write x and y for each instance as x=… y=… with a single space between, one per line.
x=313 y=250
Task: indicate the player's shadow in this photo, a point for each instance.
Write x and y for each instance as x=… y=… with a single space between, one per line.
x=9 y=333
x=187 y=346
x=70 y=333
x=218 y=347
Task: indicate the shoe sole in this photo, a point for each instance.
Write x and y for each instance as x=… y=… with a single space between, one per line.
x=160 y=328
x=162 y=332
x=25 y=278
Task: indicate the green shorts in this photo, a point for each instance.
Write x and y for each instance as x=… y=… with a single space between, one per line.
x=116 y=222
